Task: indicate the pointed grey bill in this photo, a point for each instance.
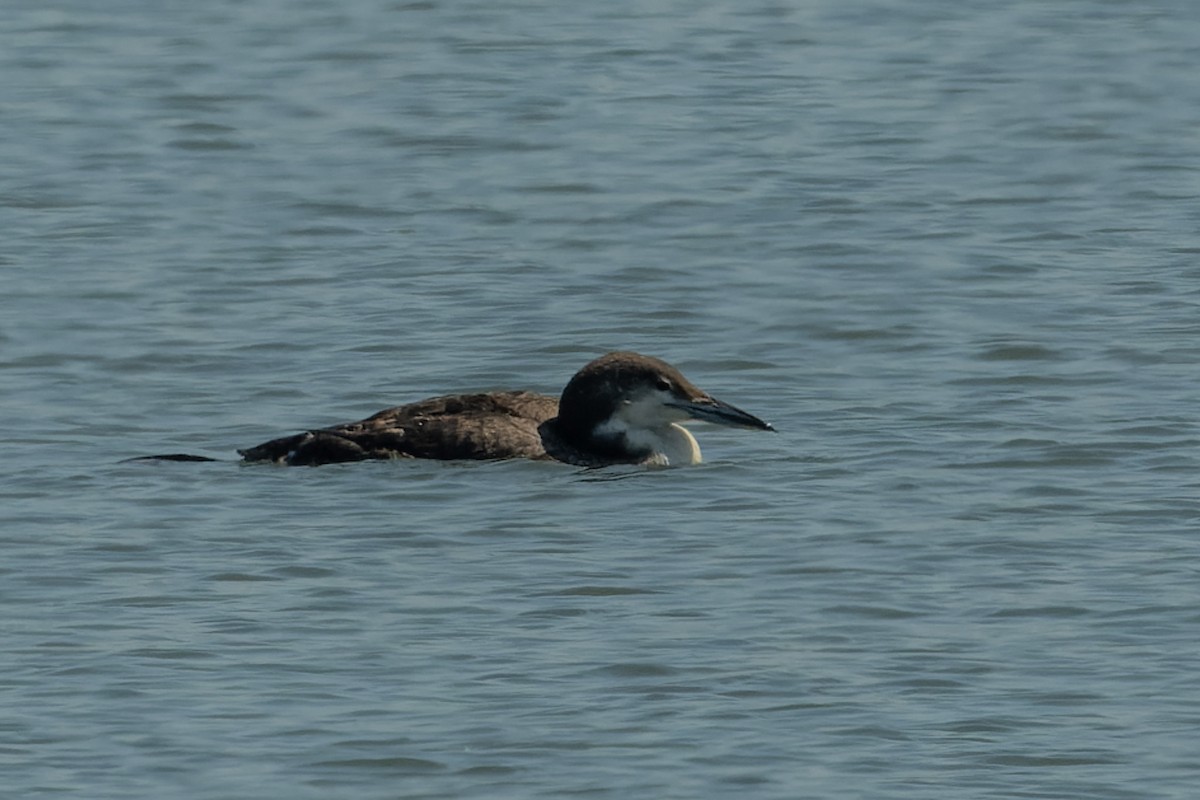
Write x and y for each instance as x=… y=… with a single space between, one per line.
x=712 y=410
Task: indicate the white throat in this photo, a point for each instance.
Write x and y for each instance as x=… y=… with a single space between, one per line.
x=670 y=444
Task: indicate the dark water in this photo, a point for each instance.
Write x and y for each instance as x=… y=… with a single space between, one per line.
x=949 y=248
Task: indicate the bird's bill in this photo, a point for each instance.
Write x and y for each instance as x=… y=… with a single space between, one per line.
x=709 y=409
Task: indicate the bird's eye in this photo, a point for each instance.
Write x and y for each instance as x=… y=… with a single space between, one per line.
x=663 y=385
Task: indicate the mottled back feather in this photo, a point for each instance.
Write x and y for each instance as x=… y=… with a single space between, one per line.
x=473 y=426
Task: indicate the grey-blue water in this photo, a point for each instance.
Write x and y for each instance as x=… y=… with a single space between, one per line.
x=950 y=249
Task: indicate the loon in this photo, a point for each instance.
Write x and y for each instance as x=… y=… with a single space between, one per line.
x=621 y=408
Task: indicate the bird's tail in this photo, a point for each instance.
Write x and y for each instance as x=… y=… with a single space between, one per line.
x=170 y=457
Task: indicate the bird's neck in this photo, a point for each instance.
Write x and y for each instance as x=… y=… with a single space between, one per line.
x=668 y=445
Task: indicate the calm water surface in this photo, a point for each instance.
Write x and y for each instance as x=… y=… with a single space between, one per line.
x=949 y=248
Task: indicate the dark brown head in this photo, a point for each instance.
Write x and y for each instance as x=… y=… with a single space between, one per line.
x=627 y=402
